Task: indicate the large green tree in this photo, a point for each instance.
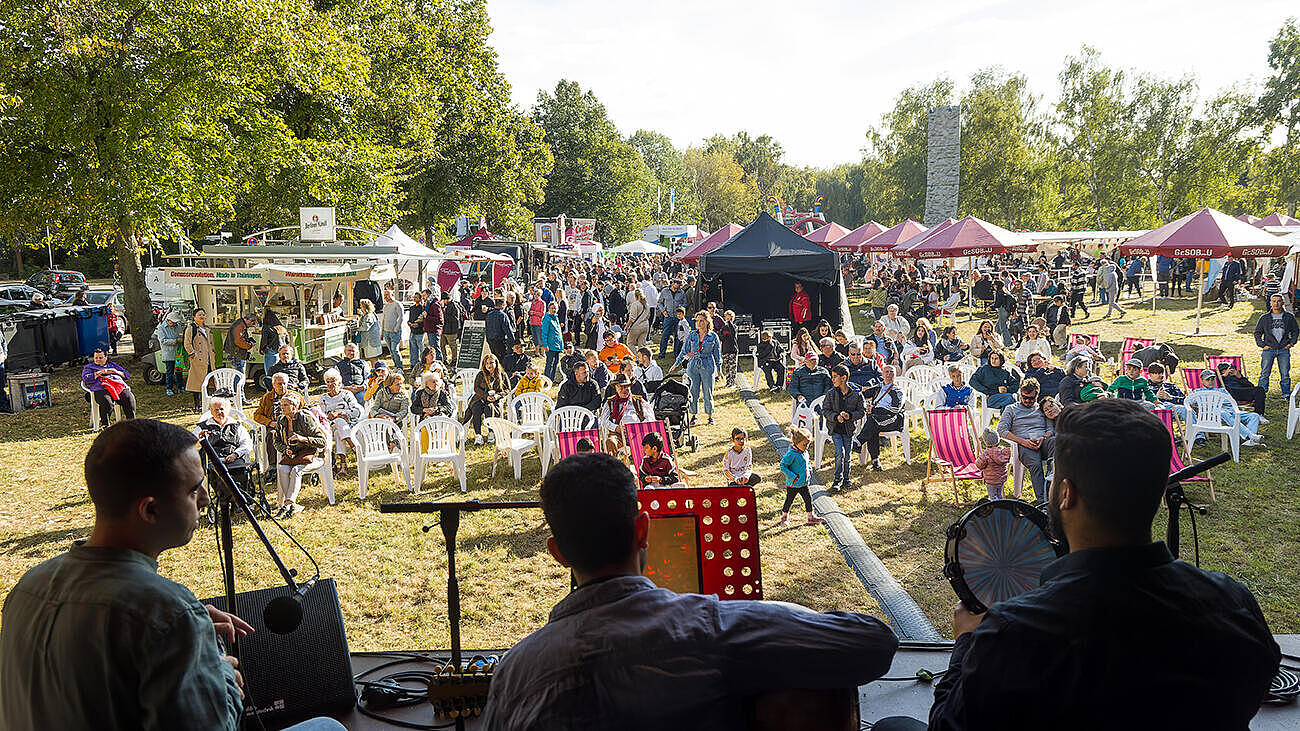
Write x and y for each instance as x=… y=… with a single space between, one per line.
x=668 y=164
x=1279 y=106
x=597 y=174
x=126 y=122
x=725 y=193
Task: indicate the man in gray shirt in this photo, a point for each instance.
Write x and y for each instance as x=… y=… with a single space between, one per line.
x=620 y=653
x=1033 y=428
x=95 y=638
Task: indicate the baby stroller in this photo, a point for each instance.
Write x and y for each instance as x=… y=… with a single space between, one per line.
x=669 y=400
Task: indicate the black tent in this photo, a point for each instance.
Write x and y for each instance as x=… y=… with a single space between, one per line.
x=757 y=268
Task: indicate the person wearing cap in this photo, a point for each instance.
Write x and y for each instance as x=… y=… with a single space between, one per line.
x=1236 y=383
x=808 y=382
x=516 y=361
x=374 y=381
x=1029 y=425
x=169 y=338
x=992 y=463
x=1247 y=421
x=1168 y=395
x=623 y=407
x=614 y=352
x=1131 y=385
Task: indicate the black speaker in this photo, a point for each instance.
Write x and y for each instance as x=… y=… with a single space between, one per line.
x=293 y=677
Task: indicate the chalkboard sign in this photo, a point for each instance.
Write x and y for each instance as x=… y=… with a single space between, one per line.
x=780 y=330
x=746 y=333
x=471 y=344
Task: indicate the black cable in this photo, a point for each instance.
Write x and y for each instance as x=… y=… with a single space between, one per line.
x=1196 y=539
x=392 y=694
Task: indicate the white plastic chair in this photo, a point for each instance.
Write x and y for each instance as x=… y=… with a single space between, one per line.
x=446 y=443
x=532 y=410
x=1293 y=413
x=821 y=435
x=372 y=437
x=94 y=409
x=224 y=378
x=463 y=389
x=1205 y=416
x=897 y=440
x=509 y=441
x=323 y=464
x=565 y=418
x=925 y=375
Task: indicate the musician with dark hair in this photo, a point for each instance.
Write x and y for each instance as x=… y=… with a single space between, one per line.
x=95 y=638
x=1119 y=634
x=620 y=653
x=884 y=406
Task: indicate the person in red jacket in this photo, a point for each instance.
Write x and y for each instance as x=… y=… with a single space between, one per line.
x=800 y=309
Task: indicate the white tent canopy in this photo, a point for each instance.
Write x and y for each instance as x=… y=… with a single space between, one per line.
x=638 y=247
x=405 y=245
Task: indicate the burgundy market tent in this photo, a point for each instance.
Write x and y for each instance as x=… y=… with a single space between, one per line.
x=902 y=248
x=1276 y=219
x=1252 y=220
x=1206 y=234
x=889 y=238
x=692 y=253
x=970 y=237
x=480 y=235
x=850 y=240
x=828 y=234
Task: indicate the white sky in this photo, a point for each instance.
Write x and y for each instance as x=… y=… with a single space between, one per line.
x=815 y=78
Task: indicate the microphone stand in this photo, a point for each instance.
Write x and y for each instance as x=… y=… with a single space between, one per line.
x=229 y=492
x=449 y=519
x=1175 y=499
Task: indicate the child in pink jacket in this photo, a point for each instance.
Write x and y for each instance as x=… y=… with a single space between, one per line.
x=993 y=463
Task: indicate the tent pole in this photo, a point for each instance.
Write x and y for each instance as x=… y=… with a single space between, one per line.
x=1200 y=291
x=970 y=290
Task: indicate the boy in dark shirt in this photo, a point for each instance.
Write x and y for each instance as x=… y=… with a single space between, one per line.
x=657 y=468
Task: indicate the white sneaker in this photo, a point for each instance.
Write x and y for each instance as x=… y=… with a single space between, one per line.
x=1254 y=441
x=1262 y=421
x=478 y=439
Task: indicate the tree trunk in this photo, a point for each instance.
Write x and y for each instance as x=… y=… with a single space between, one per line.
x=428 y=235
x=18 y=258
x=136 y=295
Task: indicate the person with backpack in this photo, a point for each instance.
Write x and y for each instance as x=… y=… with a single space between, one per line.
x=239 y=343
x=453 y=323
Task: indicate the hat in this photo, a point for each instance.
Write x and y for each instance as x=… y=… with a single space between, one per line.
x=446 y=295
x=810 y=356
x=621 y=380
x=989 y=437
x=380 y=364
x=173 y=316
x=1209 y=373
x=1133 y=362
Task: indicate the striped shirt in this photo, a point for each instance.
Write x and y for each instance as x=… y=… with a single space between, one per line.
x=1078 y=281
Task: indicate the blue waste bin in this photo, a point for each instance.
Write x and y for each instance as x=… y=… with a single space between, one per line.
x=92 y=328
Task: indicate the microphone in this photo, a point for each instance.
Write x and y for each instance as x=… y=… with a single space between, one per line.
x=283 y=614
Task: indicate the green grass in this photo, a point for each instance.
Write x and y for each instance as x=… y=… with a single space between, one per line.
x=391 y=575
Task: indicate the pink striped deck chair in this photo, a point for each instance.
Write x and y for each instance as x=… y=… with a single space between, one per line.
x=1175 y=461
x=1236 y=361
x=1094 y=339
x=1132 y=345
x=567 y=441
x=1192 y=377
x=636 y=431
x=952 y=447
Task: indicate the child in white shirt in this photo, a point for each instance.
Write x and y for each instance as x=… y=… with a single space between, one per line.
x=738 y=462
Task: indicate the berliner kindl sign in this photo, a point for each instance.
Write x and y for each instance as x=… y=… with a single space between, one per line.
x=316 y=224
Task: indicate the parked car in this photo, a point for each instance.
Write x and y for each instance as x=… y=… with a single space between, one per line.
x=9 y=307
x=110 y=296
x=18 y=292
x=57 y=281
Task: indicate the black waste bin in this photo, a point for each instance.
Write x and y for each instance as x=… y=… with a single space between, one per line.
x=59 y=336
x=22 y=334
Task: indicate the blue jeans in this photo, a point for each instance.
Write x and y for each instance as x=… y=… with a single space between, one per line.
x=1033 y=460
x=169 y=378
x=701 y=390
x=1103 y=296
x=268 y=360
x=323 y=723
x=1283 y=358
x=552 y=362
x=239 y=365
x=394 y=342
x=843 y=444
x=669 y=333
x=417 y=348
x=1000 y=400
x=535 y=332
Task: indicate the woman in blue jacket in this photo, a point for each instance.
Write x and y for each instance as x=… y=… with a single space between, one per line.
x=702 y=354
x=552 y=340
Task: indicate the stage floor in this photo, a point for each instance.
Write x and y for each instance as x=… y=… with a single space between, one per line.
x=876 y=700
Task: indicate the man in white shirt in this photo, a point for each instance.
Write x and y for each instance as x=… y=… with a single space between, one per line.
x=390 y=325
x=893 y=321
x=647 y=371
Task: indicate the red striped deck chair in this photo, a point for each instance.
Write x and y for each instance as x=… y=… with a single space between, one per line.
x=1175 y=461
x=1131 y=345
x=1236 y=361
x=1191 y=377
x=636 y=431
x=952 y=447
x=1094 y=339
x=567 y=441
